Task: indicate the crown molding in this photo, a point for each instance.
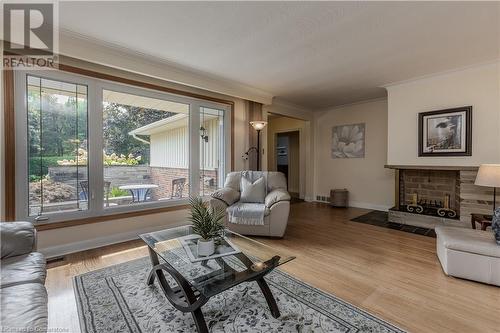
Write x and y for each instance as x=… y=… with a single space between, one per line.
x=285 y=108
x=116 y=56
x=284 y=103
x=447 y=72
x=365 y=101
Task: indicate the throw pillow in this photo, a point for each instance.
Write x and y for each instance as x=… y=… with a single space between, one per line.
x=253 y=192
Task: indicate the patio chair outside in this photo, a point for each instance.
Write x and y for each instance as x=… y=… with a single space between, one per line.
x=177 y=188
x=85 y=191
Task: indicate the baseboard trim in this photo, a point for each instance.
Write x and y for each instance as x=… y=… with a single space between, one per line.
x=366 y=205
x=357 y=204
x=88 y=244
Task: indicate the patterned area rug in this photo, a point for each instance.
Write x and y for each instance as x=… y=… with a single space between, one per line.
x=117 y=299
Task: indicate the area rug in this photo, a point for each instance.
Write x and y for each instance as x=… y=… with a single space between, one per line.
x=381 y=219
x=117 y=299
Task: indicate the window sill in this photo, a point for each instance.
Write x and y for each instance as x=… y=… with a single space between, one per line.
x=108 y=217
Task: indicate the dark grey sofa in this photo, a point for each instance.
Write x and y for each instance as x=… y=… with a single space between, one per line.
x=23 y=295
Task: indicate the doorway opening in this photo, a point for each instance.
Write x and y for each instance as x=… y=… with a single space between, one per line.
x=288 y=159
x=286 y=151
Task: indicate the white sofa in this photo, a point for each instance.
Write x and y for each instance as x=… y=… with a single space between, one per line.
x=277 y=203
x=469 y=254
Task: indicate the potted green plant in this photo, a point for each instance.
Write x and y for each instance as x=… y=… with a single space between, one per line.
x=207 y=223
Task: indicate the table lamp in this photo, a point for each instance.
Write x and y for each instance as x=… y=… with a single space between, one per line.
x=489 y=175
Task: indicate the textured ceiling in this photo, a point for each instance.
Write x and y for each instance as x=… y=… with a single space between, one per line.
x=313 y=54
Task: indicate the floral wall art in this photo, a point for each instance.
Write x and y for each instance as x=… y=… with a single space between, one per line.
x=348 y=141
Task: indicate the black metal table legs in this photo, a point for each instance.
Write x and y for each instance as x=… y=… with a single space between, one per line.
x=271 y=302
x=182 y=297
x=187 y=299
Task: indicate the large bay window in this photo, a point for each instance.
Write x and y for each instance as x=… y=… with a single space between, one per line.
x=88 y=147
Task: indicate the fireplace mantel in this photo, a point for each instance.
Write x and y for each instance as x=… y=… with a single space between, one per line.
x=431 y=167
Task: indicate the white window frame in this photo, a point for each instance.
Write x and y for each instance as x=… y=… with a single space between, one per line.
x=95 y=88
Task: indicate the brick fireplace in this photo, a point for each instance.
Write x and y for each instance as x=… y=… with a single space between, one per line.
x=430 y=192
x=427 y=196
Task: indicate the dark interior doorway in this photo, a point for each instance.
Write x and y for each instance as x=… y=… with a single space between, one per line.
x=288 y=159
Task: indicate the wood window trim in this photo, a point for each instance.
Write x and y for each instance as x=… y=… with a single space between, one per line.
x=104 y=218
x=142 y=84
x=9 y=147
x=10 y=150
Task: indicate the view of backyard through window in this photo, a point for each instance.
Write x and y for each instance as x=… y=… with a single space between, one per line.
x=147 y=144
x=146 y=147
x=57 y=132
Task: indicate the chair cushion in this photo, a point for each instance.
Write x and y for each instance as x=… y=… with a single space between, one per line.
x=253 y=192
x=468 y=240
x=27 y=268
x=24 y=308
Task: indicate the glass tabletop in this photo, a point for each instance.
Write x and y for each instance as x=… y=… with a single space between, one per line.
x=237 y=258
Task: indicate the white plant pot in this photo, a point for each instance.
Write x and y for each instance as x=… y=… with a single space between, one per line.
x=206 y=248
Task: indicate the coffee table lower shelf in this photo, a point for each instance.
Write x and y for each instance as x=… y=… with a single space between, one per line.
x=187 y=298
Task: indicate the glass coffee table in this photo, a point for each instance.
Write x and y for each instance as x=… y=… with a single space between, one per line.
x=195 y=279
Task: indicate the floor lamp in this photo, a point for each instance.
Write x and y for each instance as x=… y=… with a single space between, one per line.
x=258 y=125
x=489 y=175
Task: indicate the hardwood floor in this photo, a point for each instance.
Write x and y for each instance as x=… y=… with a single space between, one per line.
x=392 y=274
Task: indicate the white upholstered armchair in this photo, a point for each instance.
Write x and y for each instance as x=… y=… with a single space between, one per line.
x=276 y=201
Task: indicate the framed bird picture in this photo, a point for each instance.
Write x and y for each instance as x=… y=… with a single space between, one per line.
x=445 y=132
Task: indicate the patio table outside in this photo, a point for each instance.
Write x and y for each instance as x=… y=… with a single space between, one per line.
x=139 y=191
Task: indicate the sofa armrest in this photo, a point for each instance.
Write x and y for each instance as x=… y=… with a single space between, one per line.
x=17 y=238
x=226 y=195
x=276 y=196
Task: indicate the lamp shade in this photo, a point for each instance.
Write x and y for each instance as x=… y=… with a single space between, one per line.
x=258 y=124
x=488 y=175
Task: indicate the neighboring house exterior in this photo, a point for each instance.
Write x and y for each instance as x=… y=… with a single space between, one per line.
x=169 y=153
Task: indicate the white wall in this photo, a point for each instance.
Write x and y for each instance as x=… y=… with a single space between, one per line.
x=370 y=185
x=477 y=86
